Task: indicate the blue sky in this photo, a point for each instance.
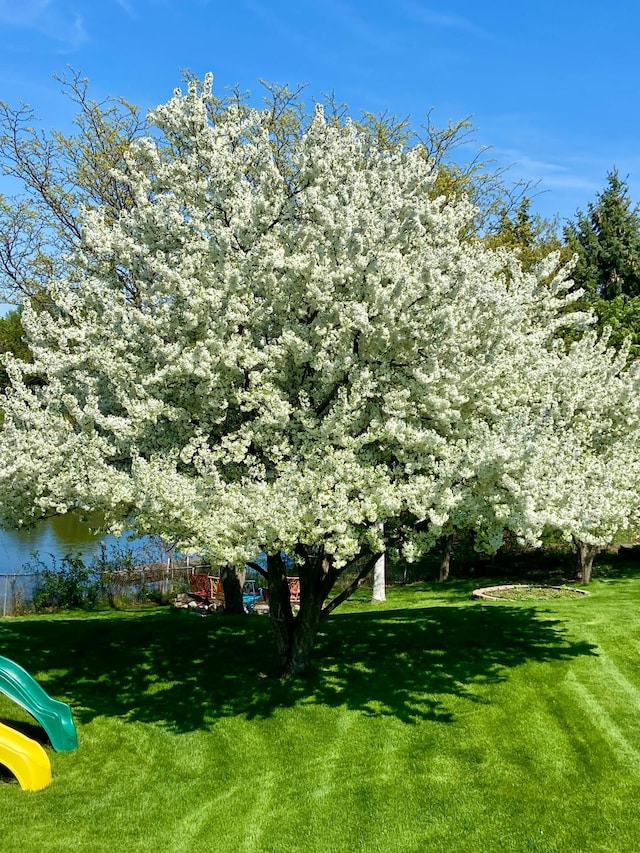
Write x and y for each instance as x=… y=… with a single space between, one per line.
x=552 y=87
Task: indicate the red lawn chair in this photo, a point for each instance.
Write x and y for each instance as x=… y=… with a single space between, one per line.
x=200 y=586
x=294 y=590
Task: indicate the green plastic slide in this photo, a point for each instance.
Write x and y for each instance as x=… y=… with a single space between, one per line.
x=55 y=717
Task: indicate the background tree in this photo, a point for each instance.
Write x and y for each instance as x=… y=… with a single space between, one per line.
x=578 y=468
x=606 y=242
x=58 y=175
x=12 y=341
x=528 y=234
x=478 y=178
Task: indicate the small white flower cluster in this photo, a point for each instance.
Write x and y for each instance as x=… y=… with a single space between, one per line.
x=269 y=350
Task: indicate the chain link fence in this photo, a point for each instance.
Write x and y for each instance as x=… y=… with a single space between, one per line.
x=19 y=591
x=14 y=590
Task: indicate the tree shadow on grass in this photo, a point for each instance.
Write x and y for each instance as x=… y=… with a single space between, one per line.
x=184 y=672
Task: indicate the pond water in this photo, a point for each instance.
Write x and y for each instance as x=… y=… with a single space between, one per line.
x=52 y=538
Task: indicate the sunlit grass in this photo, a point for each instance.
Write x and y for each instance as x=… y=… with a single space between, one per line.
x=428 y=723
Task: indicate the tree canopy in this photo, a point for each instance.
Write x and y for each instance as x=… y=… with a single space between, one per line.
x=529 y=235
x=606 y=243
x=58 y=176
x=606 y=240
x=12 y=341
x=285 y=346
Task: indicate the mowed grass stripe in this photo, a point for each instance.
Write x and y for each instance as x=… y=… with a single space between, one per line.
x=431 y=723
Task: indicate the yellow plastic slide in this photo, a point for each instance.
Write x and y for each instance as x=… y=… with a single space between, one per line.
x=26 y=759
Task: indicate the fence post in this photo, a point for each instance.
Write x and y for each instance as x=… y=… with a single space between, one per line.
x=4 y=603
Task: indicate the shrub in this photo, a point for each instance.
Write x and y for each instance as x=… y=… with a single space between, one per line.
x=64 y=586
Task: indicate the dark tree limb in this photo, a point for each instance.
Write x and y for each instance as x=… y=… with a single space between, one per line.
x=348 y=591
x=258 y=568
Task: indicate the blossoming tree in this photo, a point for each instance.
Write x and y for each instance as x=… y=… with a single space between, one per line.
x=283 y=347
x=581 y=473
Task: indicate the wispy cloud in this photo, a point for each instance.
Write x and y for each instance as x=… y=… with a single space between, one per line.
x=62 y=25
x=554 y=174
x=359 y=25
x=127 y=7
x=278 y=25
x=432 y=18
x=24 y=14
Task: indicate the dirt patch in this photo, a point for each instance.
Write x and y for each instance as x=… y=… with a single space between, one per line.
x=526 y=592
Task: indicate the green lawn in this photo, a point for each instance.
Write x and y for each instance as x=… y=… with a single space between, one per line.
x=429 y=723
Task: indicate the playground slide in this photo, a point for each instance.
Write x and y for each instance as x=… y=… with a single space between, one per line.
x=26 y=759
x=55 y=717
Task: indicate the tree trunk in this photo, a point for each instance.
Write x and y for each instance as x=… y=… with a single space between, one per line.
x=280 y=607
x=232 y=582
x=295 y=635
x=586 y=554
x=445 y=563
x=306 y=628
x=379 y=577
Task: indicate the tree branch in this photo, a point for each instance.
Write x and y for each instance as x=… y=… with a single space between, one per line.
x=258 y=568
x=337 y=601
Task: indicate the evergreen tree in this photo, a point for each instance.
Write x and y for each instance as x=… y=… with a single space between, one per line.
x=606 y=240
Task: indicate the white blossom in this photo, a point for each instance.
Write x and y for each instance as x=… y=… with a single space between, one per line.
x=265 y=352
